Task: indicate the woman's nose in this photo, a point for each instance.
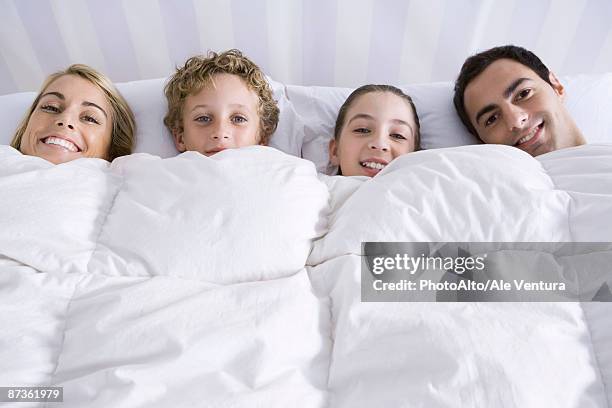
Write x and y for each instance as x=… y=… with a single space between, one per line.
x=65 y=121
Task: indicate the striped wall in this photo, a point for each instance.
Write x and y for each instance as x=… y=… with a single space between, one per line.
x=308 y=42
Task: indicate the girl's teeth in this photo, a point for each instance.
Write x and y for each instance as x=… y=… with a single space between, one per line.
x=373 y=165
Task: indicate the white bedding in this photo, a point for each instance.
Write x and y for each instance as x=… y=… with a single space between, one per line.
x=234 y=281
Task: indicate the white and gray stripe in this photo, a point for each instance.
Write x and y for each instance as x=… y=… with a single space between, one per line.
x=309 y=42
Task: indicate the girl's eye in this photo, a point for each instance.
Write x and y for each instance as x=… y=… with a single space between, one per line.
x=91 y=119
x=398 y=136
x=203 y=119
x=523 y=94
x=239 y=119
x=490 y=120
x=362 y=130
x=49 y=108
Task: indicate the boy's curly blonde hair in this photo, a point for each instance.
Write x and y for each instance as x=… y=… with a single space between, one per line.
x=198 y=72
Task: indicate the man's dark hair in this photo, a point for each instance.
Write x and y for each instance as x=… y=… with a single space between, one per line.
x=474 y=65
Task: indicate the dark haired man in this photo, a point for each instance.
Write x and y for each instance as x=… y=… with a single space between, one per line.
x=506 y=95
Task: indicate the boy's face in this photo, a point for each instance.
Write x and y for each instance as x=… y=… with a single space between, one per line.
x=222 y=115
x=379 y=126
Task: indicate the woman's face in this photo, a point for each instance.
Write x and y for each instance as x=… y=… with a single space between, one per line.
x=72 y=120
x=379 y=126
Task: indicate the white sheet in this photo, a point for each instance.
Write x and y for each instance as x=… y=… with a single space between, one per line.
x=247 y=214
x=147 y=302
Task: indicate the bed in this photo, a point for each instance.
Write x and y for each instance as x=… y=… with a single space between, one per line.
x=161 y=280
x=238 y=280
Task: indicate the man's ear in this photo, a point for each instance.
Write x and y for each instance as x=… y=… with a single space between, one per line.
x=177 y=136
x=333 y=153
x=556 y=84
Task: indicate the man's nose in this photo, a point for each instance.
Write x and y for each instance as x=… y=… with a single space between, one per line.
x=515 y=117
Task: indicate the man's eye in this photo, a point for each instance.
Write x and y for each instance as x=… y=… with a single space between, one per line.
x=524 y=93
x=490 y=120
x=398 y=136
x=203 y=119
x=91 y=119
x=49 y=108
x=239 y=119
x=362 y=130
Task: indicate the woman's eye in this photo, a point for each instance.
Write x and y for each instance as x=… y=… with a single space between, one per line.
x=203 y=119
x=49 y=108
x=91 y=119
x=523 y=93
x=239 y=119
x=362 y=130
x=490 y=120
x=398 y=136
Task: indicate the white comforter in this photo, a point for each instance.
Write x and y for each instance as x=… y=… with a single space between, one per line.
x=234 y=281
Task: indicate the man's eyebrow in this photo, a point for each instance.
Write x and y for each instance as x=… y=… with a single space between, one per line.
x=85 y=103
x=509 y=90
x=513 y=86
x=485 y=110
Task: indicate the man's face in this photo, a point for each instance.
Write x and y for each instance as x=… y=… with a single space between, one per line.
x=510 y=104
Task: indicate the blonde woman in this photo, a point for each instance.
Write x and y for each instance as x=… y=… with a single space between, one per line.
x=77 y=113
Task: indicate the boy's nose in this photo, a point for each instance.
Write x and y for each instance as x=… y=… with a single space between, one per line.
x=220 y=132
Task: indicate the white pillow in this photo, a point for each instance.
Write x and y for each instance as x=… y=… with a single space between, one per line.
x=588 y=98
x=308 y=115
x=13 y=108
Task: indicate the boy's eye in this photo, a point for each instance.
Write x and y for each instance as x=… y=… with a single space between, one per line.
x=203 y=119
x=397 y=136
x=49 y=108
x=362 y=130
x=239 y=119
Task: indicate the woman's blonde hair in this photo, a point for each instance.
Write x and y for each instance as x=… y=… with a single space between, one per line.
x=198 y=72
x=123 y=123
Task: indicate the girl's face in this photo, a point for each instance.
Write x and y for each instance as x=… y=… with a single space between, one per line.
x=379 y=126
x=72 y=120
